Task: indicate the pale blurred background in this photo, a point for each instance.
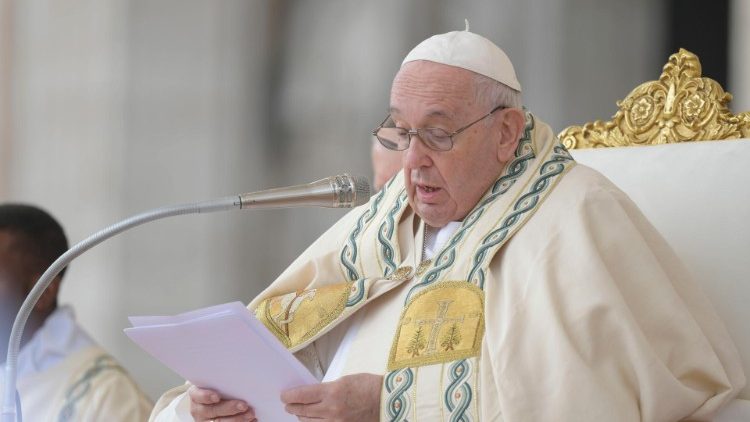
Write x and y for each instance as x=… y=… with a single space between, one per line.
x=111 y=107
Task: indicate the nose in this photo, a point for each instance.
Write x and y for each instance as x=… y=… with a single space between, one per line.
x=418 y=154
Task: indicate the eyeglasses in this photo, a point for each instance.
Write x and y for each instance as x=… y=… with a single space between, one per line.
x=398 y=138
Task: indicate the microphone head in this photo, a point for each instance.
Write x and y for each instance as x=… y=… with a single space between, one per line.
x=361 y=190
x=350 y=191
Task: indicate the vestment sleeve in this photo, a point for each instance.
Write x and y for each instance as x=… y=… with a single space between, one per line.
x=590 y=317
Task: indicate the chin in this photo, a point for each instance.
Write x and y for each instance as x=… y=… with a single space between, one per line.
x=432 y=214
x=432 y=220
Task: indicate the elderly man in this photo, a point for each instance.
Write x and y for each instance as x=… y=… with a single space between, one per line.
x=62 y=374
x=494 y=279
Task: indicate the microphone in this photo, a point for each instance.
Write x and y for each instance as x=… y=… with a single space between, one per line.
x=341 y=191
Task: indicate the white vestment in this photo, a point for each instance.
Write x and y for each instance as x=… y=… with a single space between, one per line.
x=64 y=376
x=554 y=301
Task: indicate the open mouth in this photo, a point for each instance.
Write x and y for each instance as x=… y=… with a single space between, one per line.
x=428 y=189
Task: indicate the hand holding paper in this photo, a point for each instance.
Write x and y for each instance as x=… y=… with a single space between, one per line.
x=350 y=398
x=206 y=405
x=225 y=349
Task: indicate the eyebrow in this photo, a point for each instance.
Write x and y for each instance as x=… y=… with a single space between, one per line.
x=434 y=113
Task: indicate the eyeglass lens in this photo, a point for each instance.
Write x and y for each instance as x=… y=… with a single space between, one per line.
x=398 y=139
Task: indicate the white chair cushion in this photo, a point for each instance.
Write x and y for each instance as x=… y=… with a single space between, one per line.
x=697 y=194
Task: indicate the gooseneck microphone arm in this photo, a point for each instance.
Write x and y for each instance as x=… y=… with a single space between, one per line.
x=333 y=192
x=9 y=413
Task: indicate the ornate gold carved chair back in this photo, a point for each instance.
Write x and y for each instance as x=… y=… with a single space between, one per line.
x=681 y=106
x=696 y=194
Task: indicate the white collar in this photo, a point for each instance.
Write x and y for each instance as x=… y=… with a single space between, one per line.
x=435 y=238
x=59 y=337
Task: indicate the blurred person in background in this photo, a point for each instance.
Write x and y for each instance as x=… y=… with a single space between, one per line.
x=63 y=375
x=385 y=164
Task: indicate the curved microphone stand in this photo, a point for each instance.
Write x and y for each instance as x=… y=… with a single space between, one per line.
x=334 y=192
x=9 y=413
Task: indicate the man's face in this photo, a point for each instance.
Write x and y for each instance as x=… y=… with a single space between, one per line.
x=13 y=285
x=444 y=186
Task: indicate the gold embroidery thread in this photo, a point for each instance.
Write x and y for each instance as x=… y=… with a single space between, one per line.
x=296 y=317
x=440 y=324
x=401 y=274
x=423 y=266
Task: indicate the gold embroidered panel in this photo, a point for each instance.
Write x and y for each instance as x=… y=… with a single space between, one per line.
x=681 y=106
x=295 y=317
x=442 y=323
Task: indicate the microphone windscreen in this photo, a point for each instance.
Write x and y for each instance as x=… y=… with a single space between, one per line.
x=361 y=190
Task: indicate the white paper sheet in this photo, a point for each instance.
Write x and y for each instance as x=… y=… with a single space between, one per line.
x=226 y=349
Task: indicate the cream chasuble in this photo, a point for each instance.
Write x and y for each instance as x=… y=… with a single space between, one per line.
x=554 y=300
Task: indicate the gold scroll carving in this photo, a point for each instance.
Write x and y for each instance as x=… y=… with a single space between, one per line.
x=681 y=106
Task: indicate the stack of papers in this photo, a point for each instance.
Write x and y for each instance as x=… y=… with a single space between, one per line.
x=224 y=348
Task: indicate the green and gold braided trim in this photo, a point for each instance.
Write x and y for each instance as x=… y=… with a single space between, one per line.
x=446 y=258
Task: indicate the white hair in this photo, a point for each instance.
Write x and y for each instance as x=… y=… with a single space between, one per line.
x=492 y=93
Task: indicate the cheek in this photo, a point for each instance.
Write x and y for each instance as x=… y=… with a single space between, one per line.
x=469 y=182
x=10 y=291
x=407 y=182
x=11 y=298
x=458 y=180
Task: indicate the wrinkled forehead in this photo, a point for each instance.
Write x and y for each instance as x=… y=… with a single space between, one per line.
x=425 y=82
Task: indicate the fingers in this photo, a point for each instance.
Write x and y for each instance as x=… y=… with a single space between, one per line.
x=221 y=409
x=203 y=395
x=304 y=395
x=206 y=405
x=350 y=398
x=244 y=417
x=315 y=411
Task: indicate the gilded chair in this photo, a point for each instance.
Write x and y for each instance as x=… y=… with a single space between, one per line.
x=676 y=149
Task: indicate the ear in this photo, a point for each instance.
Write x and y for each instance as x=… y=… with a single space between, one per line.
x=512 y=123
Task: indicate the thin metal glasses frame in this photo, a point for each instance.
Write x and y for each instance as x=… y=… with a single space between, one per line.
x=419 y=131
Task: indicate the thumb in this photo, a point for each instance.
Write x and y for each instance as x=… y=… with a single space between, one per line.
x=305 y=394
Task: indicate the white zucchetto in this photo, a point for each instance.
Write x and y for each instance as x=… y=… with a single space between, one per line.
x=469 y=51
